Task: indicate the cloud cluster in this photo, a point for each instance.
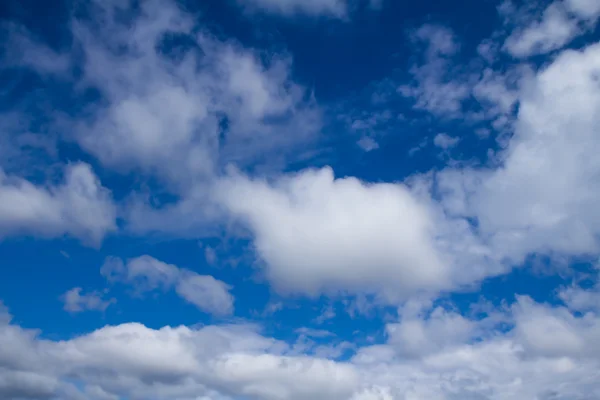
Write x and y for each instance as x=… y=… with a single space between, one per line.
x=557 y=25
x=177 y=104
x=549 y=353
x=541 y=199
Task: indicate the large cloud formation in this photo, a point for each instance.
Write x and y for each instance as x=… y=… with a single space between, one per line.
x=178 y=104
x=549 y=354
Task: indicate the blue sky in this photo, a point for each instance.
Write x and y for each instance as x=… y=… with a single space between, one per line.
x=294 y=199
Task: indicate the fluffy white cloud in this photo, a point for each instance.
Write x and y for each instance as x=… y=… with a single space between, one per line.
x=415 y=335
x=582 y=300
x=542 y=198
x=176 y=104
x=75 y=301
x=180 y=102
x=540 y=358
x=315 y=232
x=334 y=8
x=80 y=207
x=146 y=274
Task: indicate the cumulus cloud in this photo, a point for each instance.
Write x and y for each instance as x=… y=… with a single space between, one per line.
x=174 y=103
x=80 y=207
x=579 y=299
x=542 y=197
x=446 y=229
x=539 y=357
x=146 y=274
x=316 y=232
x=180 y=102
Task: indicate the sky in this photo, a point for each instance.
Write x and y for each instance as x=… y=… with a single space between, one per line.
x=299 y=199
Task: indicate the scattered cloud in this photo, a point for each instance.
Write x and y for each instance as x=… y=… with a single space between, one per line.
x=75 y=301
x=435 y=89
x=542 y=354
x=541 y=198
x=557 y=25
x=367 y=144
x=445 y=141
x=214 y=124
x=147 y=274
x=210 y=255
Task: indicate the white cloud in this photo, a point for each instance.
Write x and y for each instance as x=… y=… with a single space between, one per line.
x=180 y=112
x=417 y=336
x=80 y=207
x=206 y=293
x=542 y=197
x=554 y=332
x=556 y=27
x=146 y=274
x=445 y=141
x=75 y=301
x=315 y=232
x=582 y=300
x=454 y=89
x=333 y=8
x=584 y=9
x=440 y=41
x=367 y=144
x=436 y=87
x=553 y=31
x=164 y=111
x=541 y=357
